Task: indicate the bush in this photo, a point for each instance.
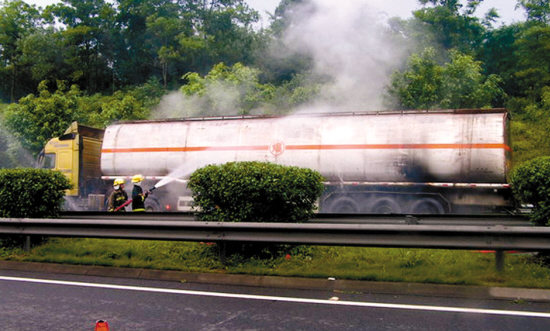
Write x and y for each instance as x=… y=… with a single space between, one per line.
x=255 y=192
x=32 y=193
x=531 y=185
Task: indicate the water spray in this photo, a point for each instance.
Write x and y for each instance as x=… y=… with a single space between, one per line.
x=182 y=171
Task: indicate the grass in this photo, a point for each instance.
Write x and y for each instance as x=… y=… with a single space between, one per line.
x=372 y=264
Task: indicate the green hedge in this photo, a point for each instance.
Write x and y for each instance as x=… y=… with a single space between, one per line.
x=31 y=193
x=531 y=185
x=255 y=192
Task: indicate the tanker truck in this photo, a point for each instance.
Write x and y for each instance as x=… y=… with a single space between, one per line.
x=412 y=162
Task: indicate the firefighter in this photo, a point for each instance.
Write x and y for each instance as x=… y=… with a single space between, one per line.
x=138 y=196
x=118 y=197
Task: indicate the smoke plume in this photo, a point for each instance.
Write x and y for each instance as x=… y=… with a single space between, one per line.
x=12 y=153
x=350 y=43
x=352 y=51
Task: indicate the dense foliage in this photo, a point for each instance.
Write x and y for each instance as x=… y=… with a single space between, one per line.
x=97 y=61
x=425 y=84
x=32 y=193
x=104 y=46
x=255 y=192
x=230 y=89
x=531 y=185
x=36 y=119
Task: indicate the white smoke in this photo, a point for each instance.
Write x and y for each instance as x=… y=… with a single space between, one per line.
x=12 y=153
x=218 y=99
x=349 y=42
x=351 y=48
x=178 y=105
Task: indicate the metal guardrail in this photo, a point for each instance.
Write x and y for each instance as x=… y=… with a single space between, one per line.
x=379 y=235
x=498 y=238
x=475 y=220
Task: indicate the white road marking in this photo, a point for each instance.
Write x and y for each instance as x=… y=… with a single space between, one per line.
x=286 y=299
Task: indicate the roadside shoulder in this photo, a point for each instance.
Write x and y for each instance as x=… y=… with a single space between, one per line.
x=454 y=291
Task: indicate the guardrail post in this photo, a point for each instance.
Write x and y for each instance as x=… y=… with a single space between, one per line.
x=27 y=244
x=499 y=260
x=222 y=251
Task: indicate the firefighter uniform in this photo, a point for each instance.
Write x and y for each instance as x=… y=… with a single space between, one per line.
x=138 y=196
x=118 y=197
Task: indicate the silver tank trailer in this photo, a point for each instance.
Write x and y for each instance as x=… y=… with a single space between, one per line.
x=375 y=148
x=454 y=146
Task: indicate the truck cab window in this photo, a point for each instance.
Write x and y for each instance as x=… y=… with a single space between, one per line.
x=46 y=161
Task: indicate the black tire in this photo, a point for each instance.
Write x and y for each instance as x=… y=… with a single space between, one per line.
x=152 y=205
x=385 y=206
x=344 y=205
x=427 y=206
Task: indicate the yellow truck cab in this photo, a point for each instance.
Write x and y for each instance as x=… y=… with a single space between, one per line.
x=77 y=154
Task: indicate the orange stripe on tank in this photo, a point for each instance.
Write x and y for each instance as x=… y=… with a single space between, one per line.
x=306 y=147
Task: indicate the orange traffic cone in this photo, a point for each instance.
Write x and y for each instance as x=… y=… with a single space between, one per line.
x=101 y=325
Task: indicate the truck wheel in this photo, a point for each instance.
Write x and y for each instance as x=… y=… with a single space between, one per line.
x=427 y=206
x=152 y=205
x=344 y=205
x=385 y=206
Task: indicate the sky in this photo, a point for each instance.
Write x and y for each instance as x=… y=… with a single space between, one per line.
x=404 y=8
x=401 y=8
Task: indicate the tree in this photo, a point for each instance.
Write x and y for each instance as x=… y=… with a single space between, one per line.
x=119 y=107
x=531 y=129
x=464 y=85
x=284 y=14
x=229 y=90
x=452 y=28
x=300 y=90
x=35 y=120
x=133 y=63
x=425 y=84
x=500 y=56
x=420 y=85
x=124 y=105
x=533 y=70
x=103 y=45
x=275 y=68
x=88 y=33
x=166 y=33
x=226 y=26
x=17 y=19
x=42 y=53
x=167 y=38
x=537 y=10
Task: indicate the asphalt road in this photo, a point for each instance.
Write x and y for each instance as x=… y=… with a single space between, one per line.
x=47 y=301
